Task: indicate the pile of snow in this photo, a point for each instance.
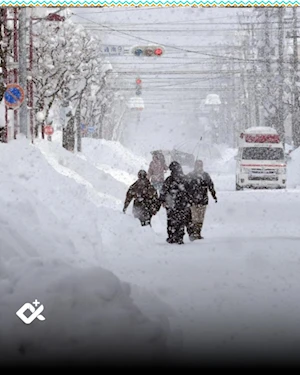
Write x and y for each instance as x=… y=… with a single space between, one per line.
x=293 y=169
x=109 y=156
x=52 y=245
x=85 y=309
x=226 y=163
x=114 y=155
x=65 y=162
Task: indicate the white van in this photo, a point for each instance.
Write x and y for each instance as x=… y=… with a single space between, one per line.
x=261 y=161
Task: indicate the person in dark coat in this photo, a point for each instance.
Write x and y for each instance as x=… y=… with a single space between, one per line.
x=174 y=197
x=199 y=182
x=69 y=133
x=146 y=202
x=2 y=134
x=157 y=170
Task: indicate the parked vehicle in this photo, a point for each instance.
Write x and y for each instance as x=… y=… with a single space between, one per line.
x=184 y=158
x=261 y=160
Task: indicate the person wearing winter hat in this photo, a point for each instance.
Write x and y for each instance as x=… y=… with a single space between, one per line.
x=199 y=182
x=174 y=198
x=145 y=199
x=157 y=169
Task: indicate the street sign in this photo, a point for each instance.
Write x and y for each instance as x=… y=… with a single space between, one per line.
x=48 y=130
x=14 y=95
x=112 y=50
x=91 y=129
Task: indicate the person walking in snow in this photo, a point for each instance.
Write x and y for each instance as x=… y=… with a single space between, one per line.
x=146 y=202
x=156 y=170
x=174 y=197
x=2 y=134
x=199 y=182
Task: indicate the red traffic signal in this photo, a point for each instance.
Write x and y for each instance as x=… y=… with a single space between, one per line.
x=138 y=81
x=158 y=52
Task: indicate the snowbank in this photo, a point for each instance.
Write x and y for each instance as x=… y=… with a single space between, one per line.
x=101 y=181
x=113 y=154
x=89 y=315
x=52 y=249
x=113 y=158
x=293 y=169
x=110 y=157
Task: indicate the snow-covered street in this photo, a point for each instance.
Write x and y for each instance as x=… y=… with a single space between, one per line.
x=237 y=287
x=116 y=124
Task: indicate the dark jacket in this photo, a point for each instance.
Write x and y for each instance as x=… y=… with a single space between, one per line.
x=146 y=202
x=174 y=192
x=198 y=186
x=157 y=169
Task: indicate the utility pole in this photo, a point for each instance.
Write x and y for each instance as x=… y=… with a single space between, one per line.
x=267 y=51
x=23 y=113
x=295 y=91
x=295 y=120
x=280 y=125
x=246 y=107
x=254 y=74
x=78 y=124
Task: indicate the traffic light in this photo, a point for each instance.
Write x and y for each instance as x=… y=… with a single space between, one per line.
x=149 y=51
x=138 y=82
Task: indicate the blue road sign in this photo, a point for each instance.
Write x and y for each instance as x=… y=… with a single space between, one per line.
x=14 y=95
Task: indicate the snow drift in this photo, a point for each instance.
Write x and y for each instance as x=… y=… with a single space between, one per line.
x=293 y=169
x=52 y=241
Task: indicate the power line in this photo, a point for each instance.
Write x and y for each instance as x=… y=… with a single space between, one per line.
x=112 y=11
x=178 y=48
x=231 y=30
x=111 y=24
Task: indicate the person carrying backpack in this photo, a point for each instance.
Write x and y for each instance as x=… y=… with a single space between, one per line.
x=146 y=202
x=157 y=169
x=199 y=182
x=174 y=198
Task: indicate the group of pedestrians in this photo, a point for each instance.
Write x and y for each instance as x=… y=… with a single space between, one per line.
x=185 y=197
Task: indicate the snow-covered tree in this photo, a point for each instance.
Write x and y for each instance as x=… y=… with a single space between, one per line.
x=69 y=69
x=6 y=48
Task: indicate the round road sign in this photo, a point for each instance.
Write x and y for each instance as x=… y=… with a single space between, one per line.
x=48 y=130
x=14 y=95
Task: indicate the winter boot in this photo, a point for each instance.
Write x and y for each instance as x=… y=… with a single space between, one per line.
x=145 y=222
x=170 y=240
x=180 y=242
x=197 y=231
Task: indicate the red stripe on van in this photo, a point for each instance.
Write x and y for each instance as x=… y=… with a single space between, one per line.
x=264 y=165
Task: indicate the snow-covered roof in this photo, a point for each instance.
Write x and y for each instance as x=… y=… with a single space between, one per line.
x=260 y=130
